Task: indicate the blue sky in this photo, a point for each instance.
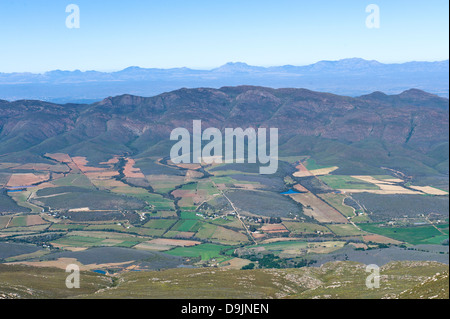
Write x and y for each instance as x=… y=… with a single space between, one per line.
x=205 y=34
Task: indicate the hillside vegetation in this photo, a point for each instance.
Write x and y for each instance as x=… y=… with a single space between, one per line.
x=332 y=280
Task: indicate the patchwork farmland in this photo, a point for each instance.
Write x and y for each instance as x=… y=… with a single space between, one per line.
x=206 y=215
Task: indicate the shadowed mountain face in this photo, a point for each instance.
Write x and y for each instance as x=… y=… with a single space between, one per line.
x=408 y=131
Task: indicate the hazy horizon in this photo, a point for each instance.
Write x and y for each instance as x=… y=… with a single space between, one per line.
x=205 y=34
x=227 y=63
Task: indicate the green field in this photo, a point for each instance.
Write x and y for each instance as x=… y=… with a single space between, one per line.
x=227 y=180
x=160 y=223
x=21 y=199
x=187 y=225
x=79 y=241
x=336 y=200
x=281 y=245
x=78 y=180
x=107 y=227
x=166 y=184
x=206 y=231
x=189 y=215
x=157 y=201
x=19 y=221
x=414 y=235
x=4 y=221
x=229 y=221
x=177 y=234
x=8 y=205
x=311 y=164
x=204 y=251
x=345 y=230
x=189 y=187
x=361 y=219
x=150 y=232
x=304 y=228
x=67 y=227
x=207 y=186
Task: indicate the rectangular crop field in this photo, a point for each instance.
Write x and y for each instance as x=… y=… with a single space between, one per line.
x=414 y=235
x=346 y=182
x=160 y=223
x=204 y=251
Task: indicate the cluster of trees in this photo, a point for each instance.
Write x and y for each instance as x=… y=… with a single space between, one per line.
x=272 y=220
x=272 y=261
x=39 y=240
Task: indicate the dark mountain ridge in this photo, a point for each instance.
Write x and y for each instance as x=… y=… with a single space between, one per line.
x=408 y=131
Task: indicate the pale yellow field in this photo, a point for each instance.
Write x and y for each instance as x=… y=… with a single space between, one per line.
x=323 y=171
x=325 y=247
x=82 y=209
x=174 y=242
x=60 y=157
x=391 y=191
x=130 y=171
x=229 y=235
x=320 y=210
x=62 y=263
x=81 y=162
x=192 y=175
x=235 y=263
x=386 y=187
x=152 y=247
x=430 y=190
x=302 y=171
x=380 y=239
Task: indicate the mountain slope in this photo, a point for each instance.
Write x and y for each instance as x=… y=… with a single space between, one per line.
x=333 y=280
x=406 y=131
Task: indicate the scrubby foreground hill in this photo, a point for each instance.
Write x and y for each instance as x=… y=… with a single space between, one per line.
x=424 y=280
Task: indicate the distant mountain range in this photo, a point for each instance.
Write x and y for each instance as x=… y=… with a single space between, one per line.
x=408 y=131
x=351 y=77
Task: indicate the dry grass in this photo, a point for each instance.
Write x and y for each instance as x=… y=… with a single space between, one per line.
x=112 y=161
x=174 y=242
x=380 y=239
x=318 y=209
x=386 y=187
x=33 y=220
x=235 y=263
x=300 y=188
x=323 y=171
x=430 y=190
x=302 y=171
x=81 y=163
x=62 y=263
x=26 y=179
x=274 y=228
x=130 y=171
